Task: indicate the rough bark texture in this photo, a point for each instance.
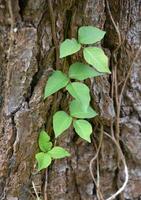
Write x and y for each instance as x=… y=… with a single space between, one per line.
x=30 y=32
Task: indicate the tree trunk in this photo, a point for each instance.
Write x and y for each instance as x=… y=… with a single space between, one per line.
x=31 y=32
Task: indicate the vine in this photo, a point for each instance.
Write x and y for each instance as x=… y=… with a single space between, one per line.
x=96 y=64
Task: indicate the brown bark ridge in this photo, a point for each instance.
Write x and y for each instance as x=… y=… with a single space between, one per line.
x=30 y=33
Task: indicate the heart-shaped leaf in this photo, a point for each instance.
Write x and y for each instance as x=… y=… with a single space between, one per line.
x=69 y=47
x=61 y=122
x=76 y=110
x=58 y=152
x=56 y=81
x=43 y=159
x=80 y=92
x=83 y=128
x=80 y=71
x=96 y=57
x=90 y=34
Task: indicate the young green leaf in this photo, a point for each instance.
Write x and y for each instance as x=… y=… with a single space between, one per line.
x=56 y=81
x=97 y=58
x=77 y=110
x=83 y=128
x=90 y=34
x=58 y=152
x=69 y=47
x=48 y=146
x=43 y=159
x=61 y=122
x=80 y=92
x=44 y=141
x=43 y=136
x=80 y=71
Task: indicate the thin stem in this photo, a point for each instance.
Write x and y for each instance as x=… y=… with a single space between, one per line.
x=36 y=193
x=125 y=168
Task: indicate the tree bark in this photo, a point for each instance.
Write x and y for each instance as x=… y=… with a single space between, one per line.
x=30 y=34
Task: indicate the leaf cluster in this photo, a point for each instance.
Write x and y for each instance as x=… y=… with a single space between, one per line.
x=48 y=152
x=96 y=64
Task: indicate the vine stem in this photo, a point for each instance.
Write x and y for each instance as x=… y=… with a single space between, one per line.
x=91 y=166
x=125 y=168
x=128 y=75
x=45 y=186
x=11 y=39
x=53 y=28
x=36 y=193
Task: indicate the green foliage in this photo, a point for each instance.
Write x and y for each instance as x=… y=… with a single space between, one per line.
x=44 y=141
x=90 y=35
x=83 y=128
x=61 y=122
x=69 y=47
x=97 y=58
x=79 y=107
x=56 y=81
x=80 y=71
x=77 y=110
x=43 y=159
x=58 y=152
x=48 y=153
x=80 y=92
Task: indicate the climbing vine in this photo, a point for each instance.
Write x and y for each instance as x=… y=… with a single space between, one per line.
x=95 y=64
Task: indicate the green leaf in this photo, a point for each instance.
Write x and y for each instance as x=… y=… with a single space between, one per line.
x=80 y=92
x=83 y=128
x=44 y=141
x=61 y=122
x=58 y=152
x=76 y=110
x=43 y=159
x=56 y=81
x=90 y=34
x=82 y=71
x=69 y=47
x=48 y=146
x=97 y=58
